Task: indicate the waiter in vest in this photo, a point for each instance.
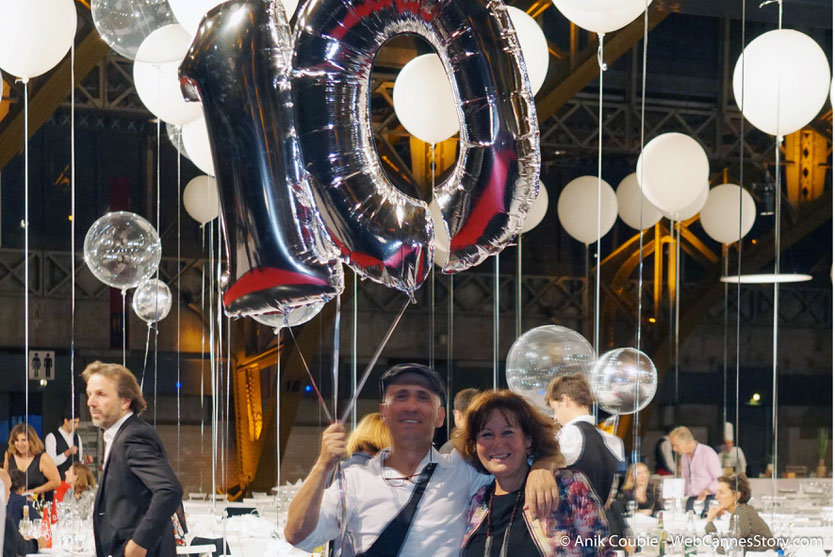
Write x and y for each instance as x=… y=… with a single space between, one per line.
x=64 y=445
x=586 y=448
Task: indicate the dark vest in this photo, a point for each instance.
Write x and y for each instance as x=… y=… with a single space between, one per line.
x=60 y=447
x=596 y=461
x=660 y=461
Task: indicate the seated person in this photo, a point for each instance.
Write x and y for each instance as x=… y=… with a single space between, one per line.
x=82 y=493
x=14 y=508
x=733 y=494
x=501 y=432
x=13 y=543
x=636 y=487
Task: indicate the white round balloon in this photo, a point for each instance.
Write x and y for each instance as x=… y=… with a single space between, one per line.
x=601 y=16
x=577 y=209
x=534 y=46
x=35 y=35
x=787 y=65
x=158 y=84
x=152 y=301
x=673 y=170
x=196 y=142
x=442 y=241
x=633 y=207
x=423 y=100
x=720 y=215
x=190 y=12
x=691 y=210
x=538 y=210
x=200 y=199
x=624 y=381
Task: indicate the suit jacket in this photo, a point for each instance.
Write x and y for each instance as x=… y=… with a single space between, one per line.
x=138 y=493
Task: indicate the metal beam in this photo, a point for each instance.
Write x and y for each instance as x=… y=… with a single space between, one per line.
x=51 y=94
x=614 y=47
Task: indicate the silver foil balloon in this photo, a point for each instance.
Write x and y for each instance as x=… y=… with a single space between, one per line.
x=624 y=381
x=175 y=136
x=381 y=232
x=152 y=301
x=124 y=24
x=543 y=353
x=122 y=250
x=290 y=318
x=278 y=252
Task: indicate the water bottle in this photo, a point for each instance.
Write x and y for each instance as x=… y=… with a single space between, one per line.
x=690 y=536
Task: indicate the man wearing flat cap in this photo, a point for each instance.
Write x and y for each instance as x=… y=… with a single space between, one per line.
x=409 y=500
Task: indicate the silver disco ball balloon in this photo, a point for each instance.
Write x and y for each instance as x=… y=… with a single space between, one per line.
x=122 y=250
x=295 y=316
x=152 y=301
x=624 y=381
x=540 y=355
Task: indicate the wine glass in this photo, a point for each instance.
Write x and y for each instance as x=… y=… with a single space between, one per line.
x=698 y=507
x=631 y=507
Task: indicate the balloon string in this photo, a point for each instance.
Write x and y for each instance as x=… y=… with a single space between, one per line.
x=278 y=417
x=179 y=262
x=313 y=384
x=156 y=368
x=212 y=366
x=145 y=359
x=203 y=354
x=26 y=256
x=374 y=359
x=449 y=346
x=72 y=227
x=602 y=66
x=636 y=422
x=431 y=272
x=496 y=295
x=124 y=328
x=518 y=316
x=354 y=353
x=335 y=369
x=740 y=242
x=219 y=357
x=228 y=382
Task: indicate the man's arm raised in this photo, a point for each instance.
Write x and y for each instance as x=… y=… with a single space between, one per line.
x=303 y=513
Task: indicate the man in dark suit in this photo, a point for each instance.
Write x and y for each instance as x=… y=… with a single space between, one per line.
x=138 y=490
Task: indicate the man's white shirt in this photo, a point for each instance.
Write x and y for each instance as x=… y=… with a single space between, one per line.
x=110 y=434
x=440 y=521
x=50 y=444
x=571 y=440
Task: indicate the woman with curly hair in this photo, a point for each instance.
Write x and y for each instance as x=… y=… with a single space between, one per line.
x=501 y=434
x=26 y=453
x=733 y=494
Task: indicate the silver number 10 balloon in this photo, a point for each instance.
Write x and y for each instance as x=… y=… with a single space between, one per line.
x=286 y=130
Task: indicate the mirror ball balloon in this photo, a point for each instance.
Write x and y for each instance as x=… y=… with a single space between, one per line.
x=540 y=355
x=295 y=316
x=122 y=250
x=624 y=380
x=152 y=301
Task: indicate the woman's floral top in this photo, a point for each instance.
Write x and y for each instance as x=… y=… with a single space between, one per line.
x=577 y=527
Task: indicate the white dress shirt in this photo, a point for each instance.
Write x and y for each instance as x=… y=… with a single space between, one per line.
x=110 y=434
x=571 y=440
x=50 y=445
x=440 y=521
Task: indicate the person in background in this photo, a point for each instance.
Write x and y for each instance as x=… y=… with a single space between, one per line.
x=732 y=458
x=637 y=488
x=13 y=543
x=459 y=408
x=64 y=445
x=26 y=453
x=82 y=493
x=369 y=438
x=700 y=467
x=500 y=435
x=733 y=494
x=138 y=490
x=665 y=458
x=16 y=501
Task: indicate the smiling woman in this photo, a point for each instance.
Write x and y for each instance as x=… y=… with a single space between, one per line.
x=26 y=453
x=501 y=435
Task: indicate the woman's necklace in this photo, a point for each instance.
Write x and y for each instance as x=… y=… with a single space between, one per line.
x=488 y=545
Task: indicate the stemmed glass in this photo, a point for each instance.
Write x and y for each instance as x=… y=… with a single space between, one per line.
x=631 y=507
x=698 y=507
